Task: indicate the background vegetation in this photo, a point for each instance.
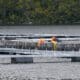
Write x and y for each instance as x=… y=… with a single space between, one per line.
x=39 y=12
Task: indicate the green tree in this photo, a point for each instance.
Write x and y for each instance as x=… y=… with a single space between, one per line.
x=39 y=11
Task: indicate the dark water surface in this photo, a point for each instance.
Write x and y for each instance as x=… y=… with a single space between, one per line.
x=69 y=30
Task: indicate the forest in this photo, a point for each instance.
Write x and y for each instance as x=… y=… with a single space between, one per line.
x=39 y=12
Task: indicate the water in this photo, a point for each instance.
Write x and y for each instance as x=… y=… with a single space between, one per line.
x=69 y=30
x=40 y=70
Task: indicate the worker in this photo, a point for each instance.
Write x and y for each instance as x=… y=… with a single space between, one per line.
x=54 y=42
x=41 y=41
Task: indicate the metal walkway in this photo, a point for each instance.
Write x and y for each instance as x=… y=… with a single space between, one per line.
x=38 y=53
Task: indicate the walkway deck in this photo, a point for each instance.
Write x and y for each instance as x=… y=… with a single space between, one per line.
x=38 y=53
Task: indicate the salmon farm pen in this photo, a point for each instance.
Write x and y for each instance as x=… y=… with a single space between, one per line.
x=26 y=48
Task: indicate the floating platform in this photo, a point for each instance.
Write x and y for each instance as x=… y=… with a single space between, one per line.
x=9 y=60
x=25 y=49
x=33 y=56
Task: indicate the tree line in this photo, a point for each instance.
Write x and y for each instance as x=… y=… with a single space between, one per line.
x=38 y=12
